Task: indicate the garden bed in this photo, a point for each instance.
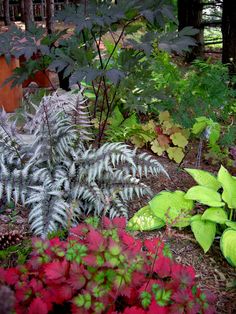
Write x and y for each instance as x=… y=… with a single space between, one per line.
x=213 y=271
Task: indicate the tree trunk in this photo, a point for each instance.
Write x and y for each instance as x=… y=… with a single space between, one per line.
x=6 y=11
x=22 y=11
x=229 y=34
x=190 y=14
x=49 y=16
x=28 y=13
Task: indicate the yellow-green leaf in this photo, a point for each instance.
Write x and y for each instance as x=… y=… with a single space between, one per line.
x=172 y=207
x=228 y=246
x=204 y=232
x=137 y=141
x=179 y=140
x=175 y=153
x=145 y=220
x=215 y=214
x=229 y=187
x=204 y=178
x=204 y=195
x=156 y=148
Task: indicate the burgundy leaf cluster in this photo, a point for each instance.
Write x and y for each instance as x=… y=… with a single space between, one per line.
x=104 y=271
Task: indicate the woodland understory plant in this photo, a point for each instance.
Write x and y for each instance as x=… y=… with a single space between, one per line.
x=101 y=271
x=59 y=175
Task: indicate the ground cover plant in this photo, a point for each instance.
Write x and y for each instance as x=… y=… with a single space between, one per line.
x=102 y=271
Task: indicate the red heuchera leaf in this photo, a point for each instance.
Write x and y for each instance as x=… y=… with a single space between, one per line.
x=138 y=278
x=36 y=285
x=64 y=293
x=182 y=296
x=90 y=260
x=153 y=244
x=96 y=241
x=134 y=310
x=162 y=266
x=78 y=231
x=11 y=276
x=56 y=271
x=155 y=308
x=158 y=130
x=37 y=306
x=118 y=222
x=183 y=275
x=130 y=242
x=76 y=280
x=77 y=310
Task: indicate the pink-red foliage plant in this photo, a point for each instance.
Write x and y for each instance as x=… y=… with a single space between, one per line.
x=104 y=270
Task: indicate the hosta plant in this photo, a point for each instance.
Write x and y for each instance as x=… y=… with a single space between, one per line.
x=59 y=176
x=104 y=271
x=176 y=209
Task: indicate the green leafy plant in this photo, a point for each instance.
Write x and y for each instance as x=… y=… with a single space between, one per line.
x=176 y=209
x=101 y=49
x=199 y=90
x=162 y=136
x=59 y=175
x=218 y=138
x=103 y=271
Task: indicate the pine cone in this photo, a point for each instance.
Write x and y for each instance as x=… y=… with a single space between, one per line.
x=9 y=238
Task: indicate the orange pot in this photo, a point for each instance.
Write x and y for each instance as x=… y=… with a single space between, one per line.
x=41 y=78
x=10 y=98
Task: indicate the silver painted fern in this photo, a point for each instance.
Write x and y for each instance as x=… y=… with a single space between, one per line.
x=59 y=176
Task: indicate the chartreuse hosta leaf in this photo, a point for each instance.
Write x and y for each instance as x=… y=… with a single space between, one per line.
x=215 y=214
x=228 y=245
x=145 y=220
x=229 y=187
x=231 y=224
x=205 y=196
x=204 y=231
x=172 y=207
x=204 y=178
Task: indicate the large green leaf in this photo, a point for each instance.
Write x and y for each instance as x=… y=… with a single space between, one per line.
x=215 y=214
x=228 y=245
x=172 y=207
x=145 y=220
x=204 y=195
x=204 y=232
x=229 y=187
x=204 y=178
